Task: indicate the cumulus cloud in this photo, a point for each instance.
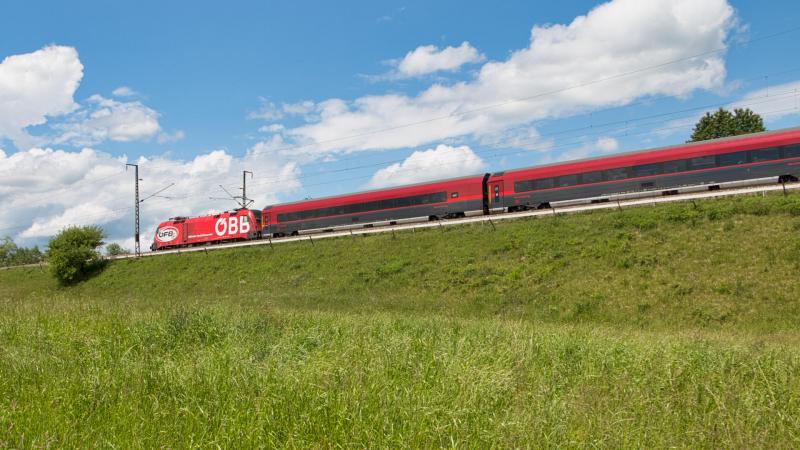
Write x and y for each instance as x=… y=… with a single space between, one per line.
x=772 y=103
x=35 y=86
x=106 y=119
x=427 y=59
x=124 y=91
x=607 y=144
x=556 y=75
x=272 y=128
x=266 y=111
x=38 y=88
x=441 y=162
x=601 y=146
x=776 y=101
x=92 y=187
x=166 y=138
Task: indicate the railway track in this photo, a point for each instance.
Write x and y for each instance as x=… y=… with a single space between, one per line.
x=614 y=202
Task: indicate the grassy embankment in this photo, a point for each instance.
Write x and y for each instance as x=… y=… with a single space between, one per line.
x=674 y=325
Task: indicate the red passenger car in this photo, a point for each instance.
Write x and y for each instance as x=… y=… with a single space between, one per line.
x=442 y=199
x=229 y=226
x=761 y=156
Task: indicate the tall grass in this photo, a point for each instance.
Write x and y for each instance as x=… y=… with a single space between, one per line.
x=665 y=326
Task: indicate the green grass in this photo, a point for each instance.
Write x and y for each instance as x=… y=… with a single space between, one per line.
x=674 y=325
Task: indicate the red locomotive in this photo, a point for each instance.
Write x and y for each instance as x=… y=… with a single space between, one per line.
x=241 y=224
x=749 y=159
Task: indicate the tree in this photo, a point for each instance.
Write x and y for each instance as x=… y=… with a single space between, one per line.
x=13 y=255
x=114 y=249
x=72 y=253
x=7 y=251
x=723 y=124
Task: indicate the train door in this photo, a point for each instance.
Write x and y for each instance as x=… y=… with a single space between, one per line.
x=184 y=232
x=496 y=194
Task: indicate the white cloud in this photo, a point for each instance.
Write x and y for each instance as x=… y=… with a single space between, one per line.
x=124 y=91
x=602 y=146
x=299 y=108
x=771 y=103
x=43 y=227
x=45 y=190
x=273 y=128
x=38 y=88
x=556 y=75
x=442 y=162
x=34 y=86
x=106 y=119
x=266 y=111
x=776 y=101
x=525 y=137
x=607 y=144
x=428 y=59
x=166 y=138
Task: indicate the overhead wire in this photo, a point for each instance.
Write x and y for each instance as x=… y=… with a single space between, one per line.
x=479 y=109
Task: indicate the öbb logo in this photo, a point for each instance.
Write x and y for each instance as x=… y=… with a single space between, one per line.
x=232 y=225
x=167 y=234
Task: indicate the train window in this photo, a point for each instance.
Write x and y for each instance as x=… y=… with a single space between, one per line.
x=567 y=180
x=592 y=177
x=678 y=165
x=354 y=208
x=544 y=183
x=791 y=151
x=523 y=186
x=732 y=159
x=616 y=174
x=766 y=154
x=702 y=162
x=647 y=170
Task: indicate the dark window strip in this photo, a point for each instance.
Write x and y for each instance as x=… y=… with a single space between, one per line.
x=674 y=166
x=354 y=208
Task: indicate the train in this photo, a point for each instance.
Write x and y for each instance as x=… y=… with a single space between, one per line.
x=765 y=157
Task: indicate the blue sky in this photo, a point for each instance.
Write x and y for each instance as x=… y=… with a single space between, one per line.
x=203 y=91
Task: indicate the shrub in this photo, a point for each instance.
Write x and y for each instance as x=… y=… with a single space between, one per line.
x=72 y=253
x=114 y=249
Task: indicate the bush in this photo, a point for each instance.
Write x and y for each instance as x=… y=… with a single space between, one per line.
x=115 y=249
x=72 y=253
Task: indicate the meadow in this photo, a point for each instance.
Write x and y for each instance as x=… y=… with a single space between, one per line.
x=667 y=326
